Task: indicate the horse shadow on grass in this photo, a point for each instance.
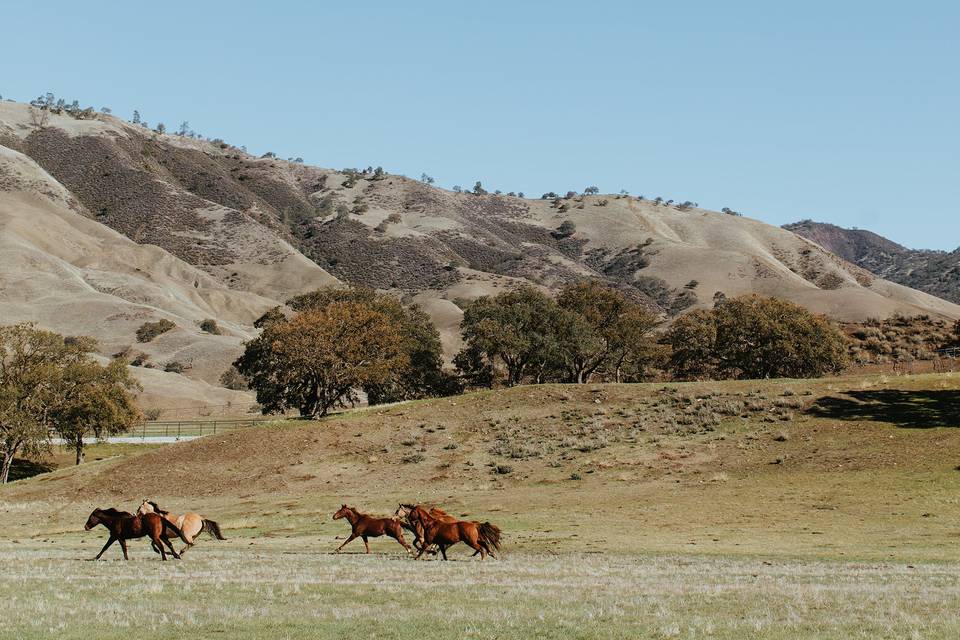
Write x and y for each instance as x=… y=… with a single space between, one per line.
x=924 y=409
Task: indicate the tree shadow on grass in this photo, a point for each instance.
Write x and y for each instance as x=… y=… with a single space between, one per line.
x=22 y=469
x=923 y=409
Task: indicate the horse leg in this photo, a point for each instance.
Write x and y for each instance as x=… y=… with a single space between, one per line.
x=443 y=551
x=350 y=539
x=399 y=538
x=366 y=543
x=172 y=550
x=123 y=545
x=422 y=549
x=106 y=546
x=473 y=542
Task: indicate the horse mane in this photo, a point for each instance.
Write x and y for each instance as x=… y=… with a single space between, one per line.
x=156 y=507
x=438 y=511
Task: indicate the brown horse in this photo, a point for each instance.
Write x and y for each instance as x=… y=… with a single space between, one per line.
x=403 y=512
x=364 y=526
x=124 y=526
x=192 y=524
x=483 y=537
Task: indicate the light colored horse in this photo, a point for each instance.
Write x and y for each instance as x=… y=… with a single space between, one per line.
x=192 y=524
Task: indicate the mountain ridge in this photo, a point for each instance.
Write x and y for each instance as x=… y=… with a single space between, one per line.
x=932 y=271
x=200 y=229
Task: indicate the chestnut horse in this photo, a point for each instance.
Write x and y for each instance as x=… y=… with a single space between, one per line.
x=364 y=526
x=403 y=512
x=482 y=537
x=124 y=526
x=192 y=524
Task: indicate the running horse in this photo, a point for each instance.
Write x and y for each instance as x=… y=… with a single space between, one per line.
x=124 y=526
x=482 y=537
x=364 y=526
x=403 y=512
x=192 y=524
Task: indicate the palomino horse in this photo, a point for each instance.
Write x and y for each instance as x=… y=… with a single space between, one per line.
x=403 y=512
x=482 y=537
x=364 y=526
x=192 y=524
x=124 y=526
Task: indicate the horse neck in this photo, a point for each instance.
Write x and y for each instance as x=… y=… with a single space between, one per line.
x=352 y=515
x=426 y=520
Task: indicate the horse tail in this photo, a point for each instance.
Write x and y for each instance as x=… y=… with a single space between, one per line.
x=490 y=536
x=213 y=527
x=169 y=527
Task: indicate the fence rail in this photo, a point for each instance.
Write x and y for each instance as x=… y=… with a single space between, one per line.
x=191 y=428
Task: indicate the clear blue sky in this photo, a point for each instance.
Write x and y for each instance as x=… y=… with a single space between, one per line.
x=847 y=112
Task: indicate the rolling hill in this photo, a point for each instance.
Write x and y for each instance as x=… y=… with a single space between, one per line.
x=107 y=225
x=934 y=272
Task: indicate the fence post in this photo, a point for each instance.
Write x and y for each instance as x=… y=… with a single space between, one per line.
x=178 y=429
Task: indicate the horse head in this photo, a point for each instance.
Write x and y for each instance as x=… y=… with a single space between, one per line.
x=93 y=520
x=343 y=512
x=145 y=507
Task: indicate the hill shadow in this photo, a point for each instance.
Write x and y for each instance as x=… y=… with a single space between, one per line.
x=923 y=409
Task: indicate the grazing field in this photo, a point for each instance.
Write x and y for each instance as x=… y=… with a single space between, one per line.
x=279 y=590
x=777 y=509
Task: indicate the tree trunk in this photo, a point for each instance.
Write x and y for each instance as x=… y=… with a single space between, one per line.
x=7 y=463
x=79 y=448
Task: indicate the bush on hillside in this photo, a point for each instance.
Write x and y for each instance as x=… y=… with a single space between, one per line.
x=150 y=330
x=210 y=326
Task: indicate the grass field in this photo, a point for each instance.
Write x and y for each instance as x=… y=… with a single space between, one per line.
x=783 y=509
x=279 y=590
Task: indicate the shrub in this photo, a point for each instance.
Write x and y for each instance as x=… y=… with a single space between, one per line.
x=412 y=458
x=175 y=366
x=150 y=330
x=566 y=229
x=210 y=326
x=233 y=380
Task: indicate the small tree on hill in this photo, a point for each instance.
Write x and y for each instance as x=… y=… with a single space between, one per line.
x=754 y=337
x=51 y=382
x=423 y=375
x=614 y=333
x=515 y=328
x=96 y=400
x=321 y=358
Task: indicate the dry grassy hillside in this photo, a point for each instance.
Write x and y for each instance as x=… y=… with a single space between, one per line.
x=935 y=272
x=762 y=465
x=819 y=509
x=108 y=225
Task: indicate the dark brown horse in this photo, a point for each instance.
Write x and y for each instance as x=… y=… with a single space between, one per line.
x=482 y=537
x=364 y=526
x=124 y=526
